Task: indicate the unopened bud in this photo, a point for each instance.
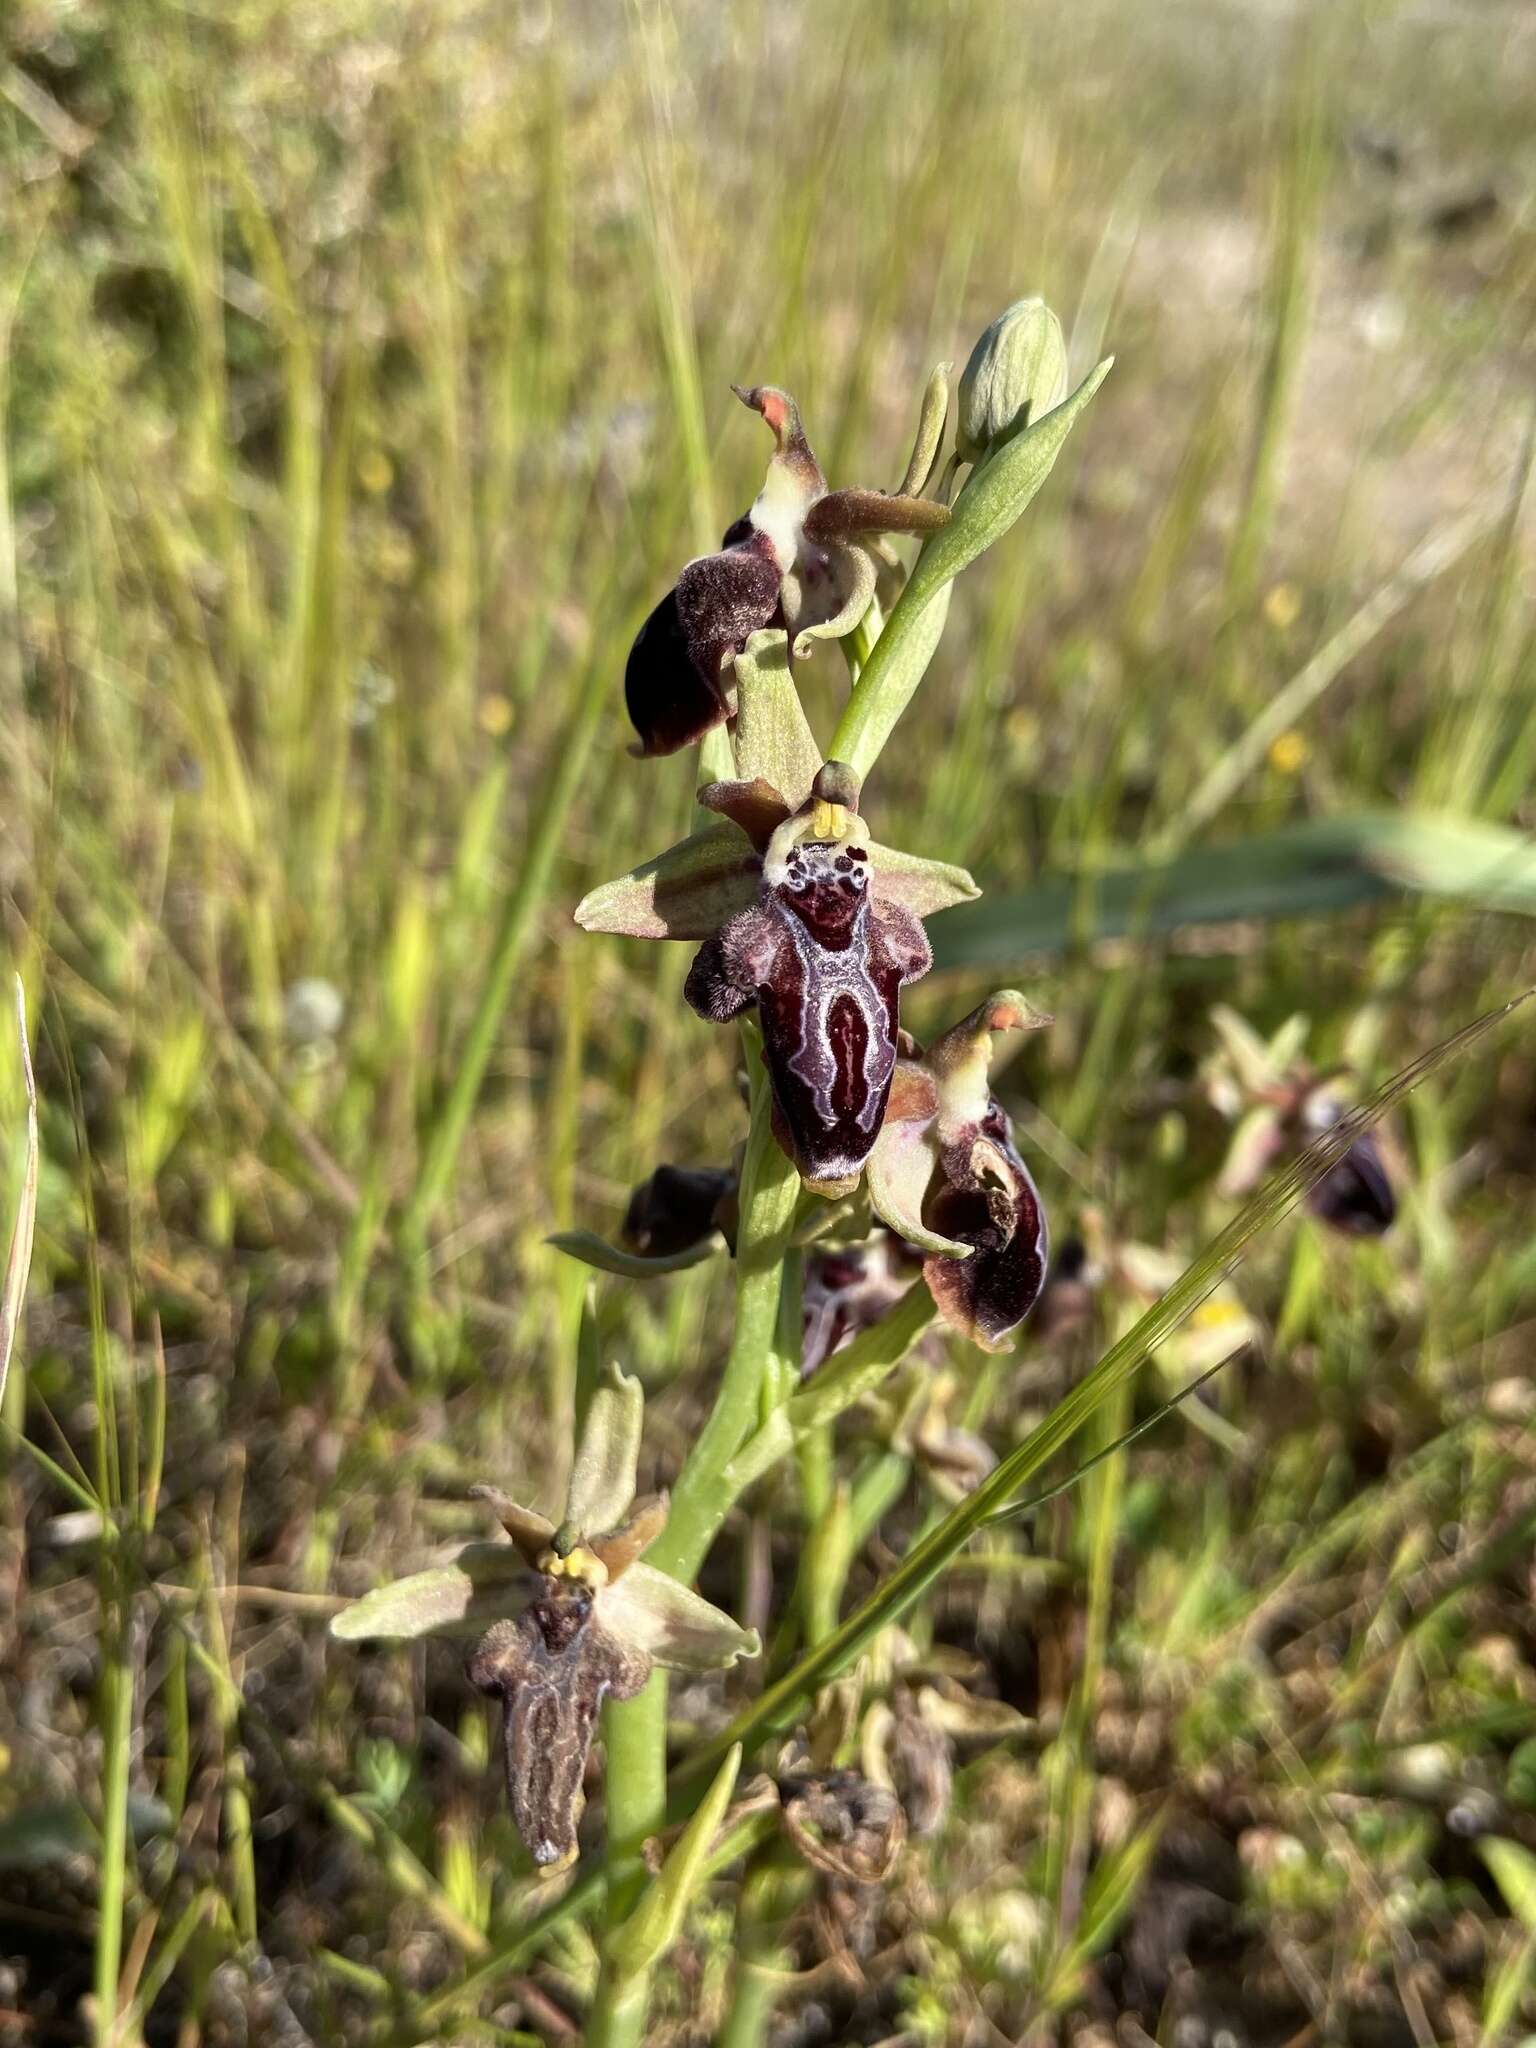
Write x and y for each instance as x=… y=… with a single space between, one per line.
x=1017 y=371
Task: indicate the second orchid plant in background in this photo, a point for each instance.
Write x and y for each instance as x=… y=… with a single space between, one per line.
x=896 y=1165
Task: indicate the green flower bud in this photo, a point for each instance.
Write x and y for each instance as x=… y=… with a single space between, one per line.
x=1017 y=371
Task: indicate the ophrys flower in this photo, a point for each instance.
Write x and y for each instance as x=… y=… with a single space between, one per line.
x=576 y=1617
x=801 y=557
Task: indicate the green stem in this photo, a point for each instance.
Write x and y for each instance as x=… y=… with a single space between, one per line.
x=635 y=1754
x=701 y=1498
x=635 y=1731
x=635 y=1749
x=116 y=1746
x=762 y=1962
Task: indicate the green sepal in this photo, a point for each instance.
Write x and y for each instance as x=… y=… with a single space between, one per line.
x=483 y=1583
x=688 y=892
x=921 y=886
x=608 y=1456
x=675 y=1626
x=773 y=740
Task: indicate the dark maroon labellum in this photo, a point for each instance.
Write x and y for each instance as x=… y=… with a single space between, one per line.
x=676 y=1209
x=990 y=1293
x=1356 y=1196
x=825 y=968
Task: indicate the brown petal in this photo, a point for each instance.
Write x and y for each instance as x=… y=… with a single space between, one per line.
x=755 y=806
x=845 y=515
x=617 y=1551
x=531 y=1532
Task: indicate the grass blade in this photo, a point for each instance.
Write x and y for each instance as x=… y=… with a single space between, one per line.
x=1321 y=866
x=18 y=1264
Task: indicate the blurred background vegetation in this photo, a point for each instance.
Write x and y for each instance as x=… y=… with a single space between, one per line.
x=365 y=377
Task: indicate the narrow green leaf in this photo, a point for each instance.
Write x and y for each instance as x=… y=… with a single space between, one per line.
x=654 y=1926
x=1001 y=489
x=997 y=493
x=1111 y=1891
x=1514 y=1872
x=18 y=1262
x=1017 y=1508
x=593 y=1250
x=846 y=1377
x=897 y=663
x=1307 y=870
x=1504 y=1989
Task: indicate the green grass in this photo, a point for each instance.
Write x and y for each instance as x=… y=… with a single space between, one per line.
x=365 y=380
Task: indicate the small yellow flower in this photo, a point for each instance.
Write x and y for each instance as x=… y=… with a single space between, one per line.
x=1288 y=753
x=1282 y=606
x=495 y=716
x=1217 y=1314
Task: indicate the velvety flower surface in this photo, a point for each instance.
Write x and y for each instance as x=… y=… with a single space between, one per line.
x=678 y=1208
x=1355 y=1196
x=946 y=1176
x=576 y=1617
x=1279 y=1104
x=817 y=927
x=800 y=558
